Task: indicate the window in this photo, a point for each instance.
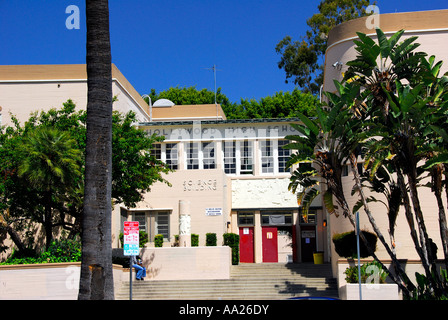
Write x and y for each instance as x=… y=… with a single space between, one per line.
x=276 y=218
x=283 y=156
x=140 y=217
x=192 y=155
x=171 y=156
x=308 y=217
x=208 y=155
x=229 y=151
x=167 y=153
x=163 y=224
x=246 y=219
x=200 y=155
x=267 y=156
x=246 y=155
x=156 y=151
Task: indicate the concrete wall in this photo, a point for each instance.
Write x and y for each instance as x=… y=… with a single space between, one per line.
x=185 y=263
x=50 y=281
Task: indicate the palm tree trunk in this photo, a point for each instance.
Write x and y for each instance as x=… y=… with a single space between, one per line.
x=437 y=183
x=405 y=284
x=96 y=268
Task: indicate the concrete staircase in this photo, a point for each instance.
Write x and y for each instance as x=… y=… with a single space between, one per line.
x=247 y=282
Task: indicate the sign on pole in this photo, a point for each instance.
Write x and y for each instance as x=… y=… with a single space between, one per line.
x=131 y=238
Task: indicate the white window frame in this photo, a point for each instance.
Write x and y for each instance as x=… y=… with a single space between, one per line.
x=200 y=158
x=274 y=145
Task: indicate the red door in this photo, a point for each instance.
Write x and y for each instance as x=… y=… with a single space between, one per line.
x=269 y=243
x=247 y=244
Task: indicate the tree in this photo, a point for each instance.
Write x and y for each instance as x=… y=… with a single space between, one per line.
x=51 y=165
x=390 y=112
x=302 y=60
x=279 y=105
x=134 y=171
x=96 y=282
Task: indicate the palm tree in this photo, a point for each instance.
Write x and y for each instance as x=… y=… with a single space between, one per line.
x=96 y=280
x=51 y=165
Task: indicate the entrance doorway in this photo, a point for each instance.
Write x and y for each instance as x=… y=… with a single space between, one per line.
x=247 y=245
x=270 y=244
x=308 y=242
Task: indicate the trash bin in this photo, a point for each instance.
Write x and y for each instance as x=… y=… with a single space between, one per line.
x=318 y=257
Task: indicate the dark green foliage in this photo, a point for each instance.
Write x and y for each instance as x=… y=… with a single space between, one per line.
x=345 y=244
x=210 y=239
x=371 y=272
x=158 y=240
x=194 y=240
x=233 y=241
x=58 y=251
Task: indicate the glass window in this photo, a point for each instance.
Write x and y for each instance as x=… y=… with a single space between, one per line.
x=156 y=151
x=247 y=154
x=267 y=156
x=192 y=155
x=163 y=224
x=208 y=155
x=283 y=156
x=171 y=156
x=229 y=150
x=245 y=218
x=140 y=217
x=276 y=218
x=308 y=217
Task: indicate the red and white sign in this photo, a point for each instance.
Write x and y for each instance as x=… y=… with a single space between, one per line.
x=131 y=238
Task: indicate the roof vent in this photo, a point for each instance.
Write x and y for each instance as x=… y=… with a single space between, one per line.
x=163 y=103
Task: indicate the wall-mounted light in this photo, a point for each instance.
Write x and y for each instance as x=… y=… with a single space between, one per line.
x=337 y=65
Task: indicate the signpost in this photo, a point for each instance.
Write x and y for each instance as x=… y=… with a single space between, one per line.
x=130 y=246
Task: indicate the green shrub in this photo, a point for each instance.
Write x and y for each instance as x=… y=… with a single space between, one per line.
x=58 y=251
x=346 y=247
x=371 y=272
x=233 y=241
x=158 y=240
x=194 y=240
x=210 y=239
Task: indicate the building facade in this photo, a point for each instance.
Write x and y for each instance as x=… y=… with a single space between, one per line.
x=229 y=176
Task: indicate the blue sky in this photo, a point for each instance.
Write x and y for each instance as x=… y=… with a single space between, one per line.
x=166 y=43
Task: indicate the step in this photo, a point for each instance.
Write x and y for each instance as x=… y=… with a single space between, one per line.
x=247 y=281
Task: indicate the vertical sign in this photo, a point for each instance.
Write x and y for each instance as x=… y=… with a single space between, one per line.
x=131 y=238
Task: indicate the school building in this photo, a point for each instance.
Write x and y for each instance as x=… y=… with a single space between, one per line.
x=230 y=175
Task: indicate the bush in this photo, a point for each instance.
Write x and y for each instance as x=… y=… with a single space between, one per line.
x=345 y=244
x=59 y=251
x=210 y=240
x=371 y=272
x=158 y=240
x=233 y=241
x=194 y=240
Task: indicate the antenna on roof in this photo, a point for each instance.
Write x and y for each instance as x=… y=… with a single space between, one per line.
x=214 y=74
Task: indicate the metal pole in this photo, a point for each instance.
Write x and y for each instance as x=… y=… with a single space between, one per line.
x=130 y=277
x=359 y=261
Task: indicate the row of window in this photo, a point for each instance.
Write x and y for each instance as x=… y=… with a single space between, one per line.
x=238 y=156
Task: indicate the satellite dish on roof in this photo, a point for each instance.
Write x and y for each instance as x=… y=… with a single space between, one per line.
x=163 y=103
